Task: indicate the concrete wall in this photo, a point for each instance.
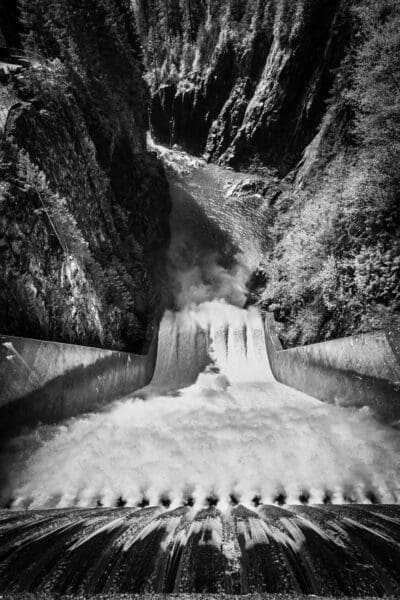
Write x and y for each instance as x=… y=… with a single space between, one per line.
x=361 y=370
x=48 y=381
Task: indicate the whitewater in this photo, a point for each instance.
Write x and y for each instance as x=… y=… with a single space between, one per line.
x=213 y=427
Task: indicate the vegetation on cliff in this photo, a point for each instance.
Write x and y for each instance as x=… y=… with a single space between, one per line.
x=335 y=264
x=83 y=208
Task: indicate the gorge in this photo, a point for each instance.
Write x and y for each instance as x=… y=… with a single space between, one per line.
x=175 y=175
x=304 y=95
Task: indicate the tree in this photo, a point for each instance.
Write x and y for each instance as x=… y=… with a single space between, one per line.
x=377 y=75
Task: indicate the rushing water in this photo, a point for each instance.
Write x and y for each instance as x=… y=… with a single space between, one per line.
x=213 y=426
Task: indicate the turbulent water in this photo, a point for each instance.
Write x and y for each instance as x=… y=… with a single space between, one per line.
x=213 y=427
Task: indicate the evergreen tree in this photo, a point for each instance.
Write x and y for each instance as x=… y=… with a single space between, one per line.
x=376 y=89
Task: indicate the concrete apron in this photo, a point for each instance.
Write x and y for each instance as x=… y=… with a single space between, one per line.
x=357 y=371
x=47 y=382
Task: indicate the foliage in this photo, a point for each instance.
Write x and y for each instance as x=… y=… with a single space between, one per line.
x=335 y=267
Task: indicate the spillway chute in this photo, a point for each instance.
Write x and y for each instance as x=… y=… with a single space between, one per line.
x=227 y=337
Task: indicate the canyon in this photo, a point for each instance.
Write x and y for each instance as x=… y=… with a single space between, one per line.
x=196 y=193
x=304 y=96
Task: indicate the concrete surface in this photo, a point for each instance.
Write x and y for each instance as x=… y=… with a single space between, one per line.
x=48 y=381
x=361 y=370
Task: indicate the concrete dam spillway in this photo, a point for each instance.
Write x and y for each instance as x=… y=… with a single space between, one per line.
x=213 y=478
x=232 y=483
x=213 y=423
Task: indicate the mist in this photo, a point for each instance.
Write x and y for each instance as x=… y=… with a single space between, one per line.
x=216 y=242
x=203 y=262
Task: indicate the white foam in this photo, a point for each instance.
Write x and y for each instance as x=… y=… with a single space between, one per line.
x=231 y=429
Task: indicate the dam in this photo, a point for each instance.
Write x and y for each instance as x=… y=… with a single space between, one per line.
x=210 y=476
x=214 y=478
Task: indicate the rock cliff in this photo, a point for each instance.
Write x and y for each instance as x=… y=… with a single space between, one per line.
x=256 y=92
x=84 y=208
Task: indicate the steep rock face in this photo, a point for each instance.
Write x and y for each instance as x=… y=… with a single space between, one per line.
x=84 y=208
x=289 y=99
x=260 y=96
x=185 y=116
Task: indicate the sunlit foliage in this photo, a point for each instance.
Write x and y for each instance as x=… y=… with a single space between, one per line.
x=335 y=268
